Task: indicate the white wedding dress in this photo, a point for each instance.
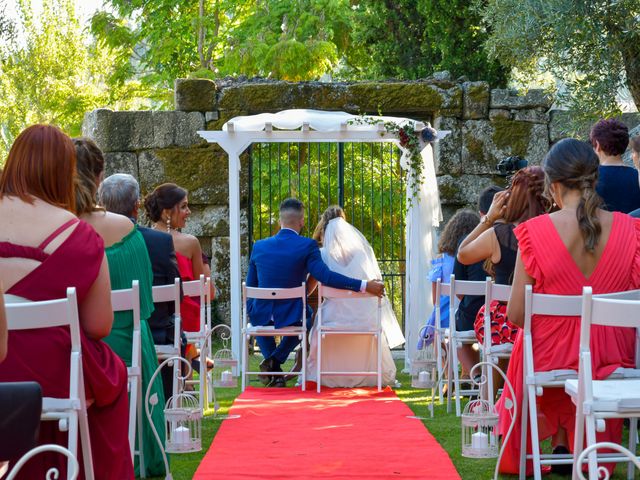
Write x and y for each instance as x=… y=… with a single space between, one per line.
x=347 y=251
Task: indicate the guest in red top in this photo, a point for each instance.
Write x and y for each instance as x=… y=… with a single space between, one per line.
x=579 y=245
x=44 y=250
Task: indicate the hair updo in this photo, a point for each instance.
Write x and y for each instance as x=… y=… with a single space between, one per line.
x=526 y=198
x=332 y=211
x=89 y=167
x=574 y=165
x=163 y=197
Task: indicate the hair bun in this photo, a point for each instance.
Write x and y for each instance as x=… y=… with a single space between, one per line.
x=151 y=207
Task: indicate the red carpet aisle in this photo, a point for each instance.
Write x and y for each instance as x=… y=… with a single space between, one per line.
x=338 y=434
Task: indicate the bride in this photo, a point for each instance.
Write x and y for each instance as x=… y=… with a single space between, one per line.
x=346 y=251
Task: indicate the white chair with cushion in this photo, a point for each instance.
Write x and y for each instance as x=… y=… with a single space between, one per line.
x=618 y=396
x=70 y=412
x=128 y=300
x=249 y=330
x=323 y=331
x=170 y=293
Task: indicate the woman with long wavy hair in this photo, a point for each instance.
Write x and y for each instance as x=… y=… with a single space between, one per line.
x=560 y=253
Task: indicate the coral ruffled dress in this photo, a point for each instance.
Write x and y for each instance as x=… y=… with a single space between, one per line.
x=43 y=355
x=556 y=340
x=189 y=307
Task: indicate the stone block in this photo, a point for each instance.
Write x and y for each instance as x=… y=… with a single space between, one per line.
x=121 y=162
x=533 y=115
x=449 y=149
x=511 y=99
x=208 y=220
x=463 y=190
x=119 y=131
x=484 y=143
x=476 y=98
x=195 y=95
x=177 y=129
x=202 y=171
x=499 y=113
x=211 y=116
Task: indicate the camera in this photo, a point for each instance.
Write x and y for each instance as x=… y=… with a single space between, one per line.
x=510 y=165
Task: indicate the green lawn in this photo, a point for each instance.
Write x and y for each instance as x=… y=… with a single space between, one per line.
x=444 y=427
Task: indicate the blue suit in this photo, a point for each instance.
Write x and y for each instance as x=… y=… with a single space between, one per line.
x=283 y=261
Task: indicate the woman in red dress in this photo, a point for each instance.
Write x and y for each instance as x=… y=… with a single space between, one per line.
x=579 y=245
x=45 y=249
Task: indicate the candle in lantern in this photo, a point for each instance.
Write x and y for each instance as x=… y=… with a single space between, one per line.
x=181 y=435
x=479 y=441
x=424 y=377
x=226 y=376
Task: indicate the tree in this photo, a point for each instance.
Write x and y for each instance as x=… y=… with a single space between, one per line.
x=593 y=46
x=54 y=73
x=410 y=39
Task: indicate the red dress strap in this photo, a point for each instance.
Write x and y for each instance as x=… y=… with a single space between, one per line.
x=56 y=232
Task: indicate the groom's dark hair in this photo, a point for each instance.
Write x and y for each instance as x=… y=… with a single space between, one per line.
x=291 y=207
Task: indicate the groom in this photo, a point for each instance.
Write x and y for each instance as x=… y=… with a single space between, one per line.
x=283 y=261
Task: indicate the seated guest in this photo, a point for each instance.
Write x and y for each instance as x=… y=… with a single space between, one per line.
x=579 y=245
x=457 y=228
x=3 y=328
x=493 y=240
x=46 y=250
x=128 y=260
x=617 y=183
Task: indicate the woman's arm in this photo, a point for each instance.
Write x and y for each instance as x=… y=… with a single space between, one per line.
x=96 y=315
x=515 y=307
x=3 y=328
x=196 y=257
x=312 y=283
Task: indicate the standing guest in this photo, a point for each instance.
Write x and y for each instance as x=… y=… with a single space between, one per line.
x=579 y=245
x=128 y=260
x=46 y=250
x=457 y=228
x=493 y=240
x=617 y=184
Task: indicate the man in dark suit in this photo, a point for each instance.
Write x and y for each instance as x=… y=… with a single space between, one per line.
x=283 y=261
x=120 y=193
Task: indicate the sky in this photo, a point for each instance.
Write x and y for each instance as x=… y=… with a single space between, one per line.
x=84 y=8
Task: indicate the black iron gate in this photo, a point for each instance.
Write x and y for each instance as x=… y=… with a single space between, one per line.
x=363 y=178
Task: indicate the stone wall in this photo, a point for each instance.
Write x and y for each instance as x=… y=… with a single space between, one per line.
x=487 y=125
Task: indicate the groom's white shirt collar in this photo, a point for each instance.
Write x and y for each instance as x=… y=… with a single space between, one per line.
x=287 y=228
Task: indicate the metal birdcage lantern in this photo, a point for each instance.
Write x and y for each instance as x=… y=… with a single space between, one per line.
x=424 y=371
x=479 y=430
x=184 y=430
x=224 y=369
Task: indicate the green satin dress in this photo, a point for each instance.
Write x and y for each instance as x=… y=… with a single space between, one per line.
x=129 y=260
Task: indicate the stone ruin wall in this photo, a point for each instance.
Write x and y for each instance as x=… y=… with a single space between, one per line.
x=162 y=146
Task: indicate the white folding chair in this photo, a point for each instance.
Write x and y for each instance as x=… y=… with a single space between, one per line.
x=440 y=335
x=618 y=396
x=457 y=338
x=71 y=412
x=249 y=330
x=535 y=381
x=493 y=353
x=198 y=288
x=128 y=300
x=323 y=331
x=170 y=293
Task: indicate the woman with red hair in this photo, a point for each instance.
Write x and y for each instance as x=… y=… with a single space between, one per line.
x=45 y=249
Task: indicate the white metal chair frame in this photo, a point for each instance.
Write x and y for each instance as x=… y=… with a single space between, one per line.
x=591 y=410
x=122 y=301
x=170 y=293
x=249 y=330
x=325 y=292
x=201 y=289
x=459 y=287
x=534 y=381
x=71 y=412
x=440 y=334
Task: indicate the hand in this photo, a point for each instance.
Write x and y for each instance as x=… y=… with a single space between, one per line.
x=498 y=206
x=375 y=287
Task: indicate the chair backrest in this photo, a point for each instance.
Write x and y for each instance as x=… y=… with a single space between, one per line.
x=499 y=292
x=552 y=305
x=170 y=293
x=330 y=292
x=129 y=300
x=197 y=288
x=273 y=294
x=463 y=287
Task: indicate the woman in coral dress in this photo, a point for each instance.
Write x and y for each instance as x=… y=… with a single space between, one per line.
x=45 y=251
x=579 y=245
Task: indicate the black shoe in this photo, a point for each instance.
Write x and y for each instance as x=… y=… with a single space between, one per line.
x=269 y=365
x=565 y=469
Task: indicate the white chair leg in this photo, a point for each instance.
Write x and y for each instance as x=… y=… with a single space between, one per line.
x=633 y=443
x=590 y=425
x=535 y=438
x=524 y=416
x=202 y=378
x=303 y=366
x=456 y=383
x=319 y=365
x=451 y=355
x=133 y=402
x=141 y=464
x=578 y=440
x=85 y=441
x=379 y=337
x=489 y=384
x=439 y=368
x=245 y=359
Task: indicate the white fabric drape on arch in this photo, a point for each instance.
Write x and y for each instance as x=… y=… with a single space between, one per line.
x=423 y=218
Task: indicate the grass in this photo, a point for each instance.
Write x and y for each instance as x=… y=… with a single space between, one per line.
x=444 y=427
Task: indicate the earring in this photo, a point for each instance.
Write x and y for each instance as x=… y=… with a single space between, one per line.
x=169 y=224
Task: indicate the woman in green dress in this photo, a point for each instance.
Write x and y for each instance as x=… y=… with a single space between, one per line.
x=128 y=260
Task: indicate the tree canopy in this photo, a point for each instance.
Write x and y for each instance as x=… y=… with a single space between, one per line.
x=593 y=47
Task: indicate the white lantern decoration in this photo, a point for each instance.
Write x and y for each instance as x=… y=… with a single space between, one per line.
x=224 y=366
x=479 y=430
x=183 y=416
x=424 y=371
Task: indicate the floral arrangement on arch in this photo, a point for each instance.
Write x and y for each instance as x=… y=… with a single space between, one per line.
x=410 y=139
